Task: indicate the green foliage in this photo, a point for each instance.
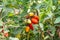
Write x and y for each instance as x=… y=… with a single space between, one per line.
x=57 y=20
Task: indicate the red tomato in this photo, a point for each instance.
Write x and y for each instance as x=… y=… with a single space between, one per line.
x=2 y=31
x=6 y=34
x=36 y=17
x=34 y=21
x=31 y=26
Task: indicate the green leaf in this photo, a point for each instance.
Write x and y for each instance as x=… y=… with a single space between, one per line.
x=10 y=14
x=57 y=20
x=1 y=23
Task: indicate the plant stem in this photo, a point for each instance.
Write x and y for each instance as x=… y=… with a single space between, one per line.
x=27 y=36
x=39 y=29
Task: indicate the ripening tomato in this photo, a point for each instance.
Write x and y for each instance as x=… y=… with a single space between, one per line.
x=34 y=21
x=2 y=31
x=6 y=34
x=28 y=21
x=36 y=17
x=31 y=26
x=31 y=14
x=27 y=29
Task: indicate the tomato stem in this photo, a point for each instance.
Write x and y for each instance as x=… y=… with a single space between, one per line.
x=39 y=29
x=27 y=36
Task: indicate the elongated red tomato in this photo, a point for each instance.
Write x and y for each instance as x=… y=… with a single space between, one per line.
x=31 y=26
x=34 y=21
x=36 y=17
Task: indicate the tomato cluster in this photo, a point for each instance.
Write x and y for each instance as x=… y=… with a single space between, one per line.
x=31 y=19
x=5 y=34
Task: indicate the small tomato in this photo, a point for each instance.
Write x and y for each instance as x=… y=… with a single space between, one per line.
x=28 y=21
x=31 y=14
x=2 y=31
x=36 y=17
x=6 y=34
x=31 y=26
x=27 y=29
x=34 y=21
